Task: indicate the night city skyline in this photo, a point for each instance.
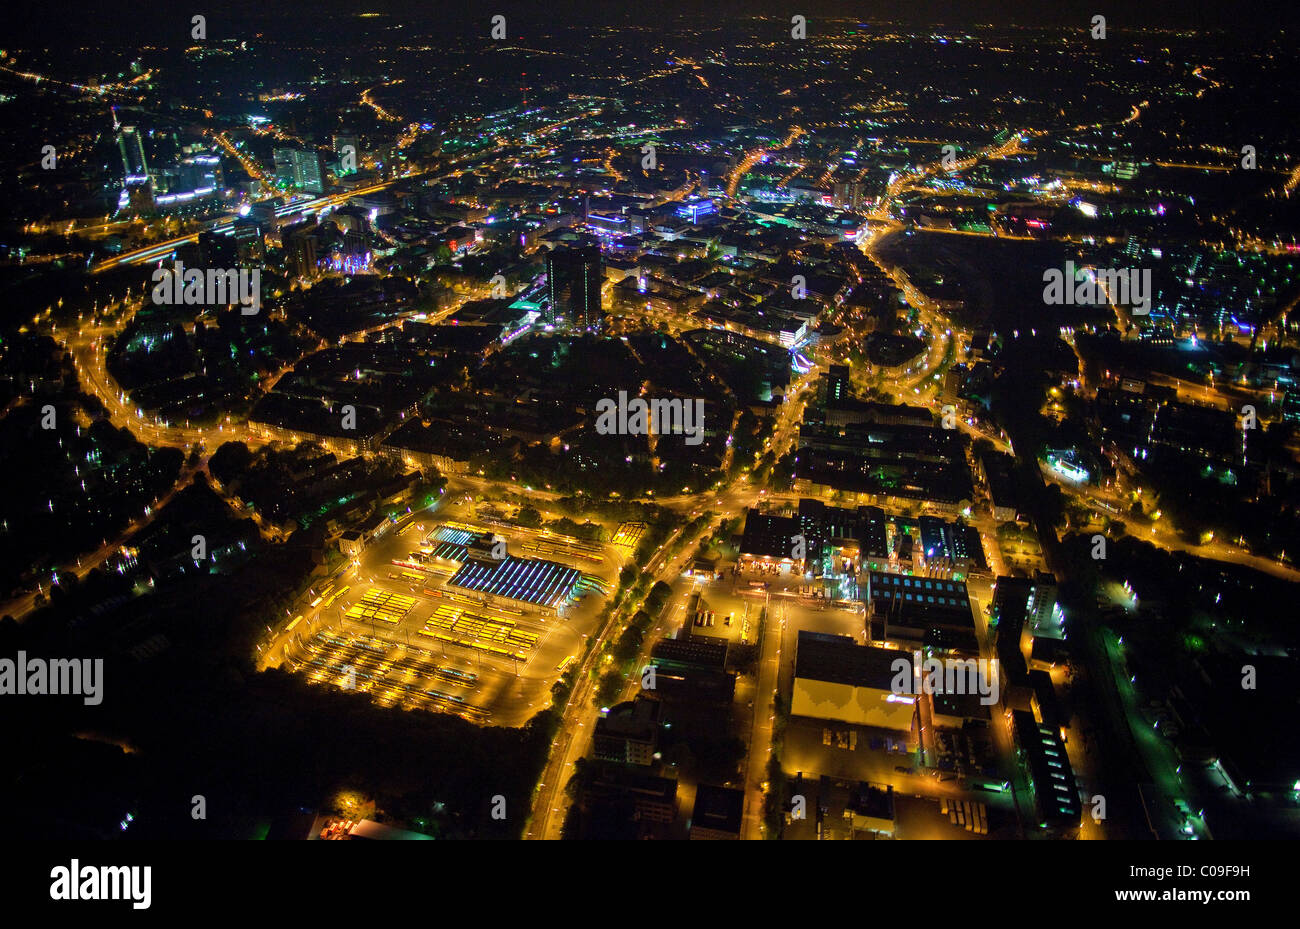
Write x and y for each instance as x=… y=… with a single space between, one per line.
x=597 y=423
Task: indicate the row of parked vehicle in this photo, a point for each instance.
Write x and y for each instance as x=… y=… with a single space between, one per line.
x=708 y=618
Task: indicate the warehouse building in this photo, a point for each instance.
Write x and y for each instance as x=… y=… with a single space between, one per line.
x=836 y=678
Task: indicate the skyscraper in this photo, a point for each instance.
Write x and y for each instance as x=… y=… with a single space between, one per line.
x=310 y=177
x=835 y=384
x=848 y=194
x=303 y=259
x=573 y=281
x=131 y=145
x=347 y=152
x=300 y=168
x=286 y=174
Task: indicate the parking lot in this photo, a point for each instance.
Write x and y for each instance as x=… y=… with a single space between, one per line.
x=488 y=647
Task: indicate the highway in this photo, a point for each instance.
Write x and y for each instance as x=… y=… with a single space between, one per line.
x=165 y=249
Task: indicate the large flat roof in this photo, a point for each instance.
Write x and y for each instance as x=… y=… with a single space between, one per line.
x=527 y=579
x=837 y=659
x=768 y=536
x=698 y=651
x=1049 y=766
x=718 y=808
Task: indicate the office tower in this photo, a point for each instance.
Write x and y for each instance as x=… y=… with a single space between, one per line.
x=848 y=194
x=199 y=172
x=131 y=144
x=694 y=209
x=835 y=384
x=300 y=168
x=286 y=174
x=249 y=242
x=301 y=250
x=343 y=145
x=573 y=280
x=355 y=244
x=311 y=179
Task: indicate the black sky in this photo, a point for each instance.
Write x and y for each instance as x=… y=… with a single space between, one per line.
x=144 y=22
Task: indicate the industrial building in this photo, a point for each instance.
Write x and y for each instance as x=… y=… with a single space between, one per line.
x=835 y=540
x=1042 y=757
x=920 y=612
x=836 y=678
x=691 y=670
